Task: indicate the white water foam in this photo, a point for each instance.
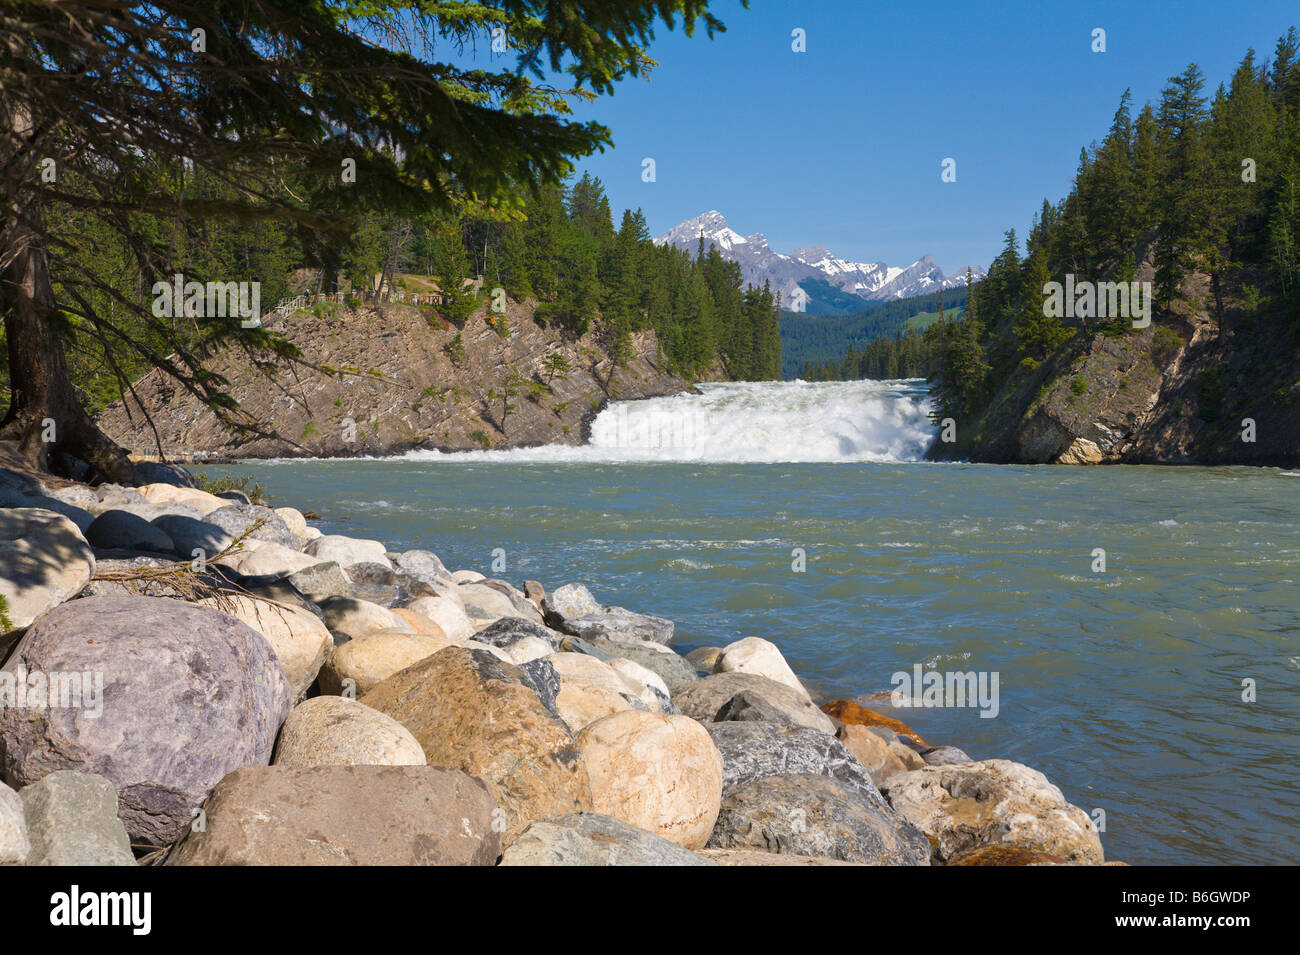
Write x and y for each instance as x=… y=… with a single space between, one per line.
x=749 y=422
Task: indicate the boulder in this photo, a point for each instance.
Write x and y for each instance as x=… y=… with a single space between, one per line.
x=44 y=560
x=674 y=670
x=815 y=815
x=345 y=815
x=541 y=676
x=370 y=659
x=872 y=751
x=992 y=802
x=648 y=679
x=235 y=519
x=618 y=623
x=293 y=520
x=333 y=731
x=529 y=648
x=300 y=640
x=188 y=695
x=535 y=592
x=591 y=839
x=570 y=600
x=266 y=559
x=346 y=551
x=14 y=846
x=422 y=565
x=945 y=756
x=524 y=607
x=754 y=750
x=507 y=631
x=484 y=604
x=579 y=704
x=704 y=658
x=165 y=472
x=188 y=535
x=164 y=494
x=756 y=655
x=570 y=644
x=467 y=576
x=703 y=699
x=749 y=706
x=122 y=530
x=72 y=819
x=419 y=622
x=320 y=580
x=579 y=669
x=447 y=613
x=356 y=618
x=470 y=711
x=658 y=773
x=846 y=711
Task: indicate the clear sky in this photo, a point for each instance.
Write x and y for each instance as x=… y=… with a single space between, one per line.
x=842 y=145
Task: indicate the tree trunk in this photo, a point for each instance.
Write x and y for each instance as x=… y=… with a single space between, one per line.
x=44 y=414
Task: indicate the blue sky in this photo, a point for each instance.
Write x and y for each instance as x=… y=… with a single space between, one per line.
x=842 y=145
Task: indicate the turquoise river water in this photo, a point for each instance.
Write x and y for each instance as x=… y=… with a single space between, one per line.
x=1123 y=685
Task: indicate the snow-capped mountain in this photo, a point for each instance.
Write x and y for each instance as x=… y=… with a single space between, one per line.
x=870 y=282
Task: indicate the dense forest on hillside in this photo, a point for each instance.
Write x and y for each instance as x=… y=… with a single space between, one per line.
x=561 y=248
x=1200 y=195
x=830 y=347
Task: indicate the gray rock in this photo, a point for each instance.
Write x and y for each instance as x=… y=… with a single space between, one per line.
x=189 y=694
x=345 y=815
x=371 y=574
x=188 y=535
x=588 y=838
x=14 y=847
x=72 y=820
x=239 y=497
x=703 y=699
x=117 y=494
x=164 y=472
x=508 y=631
x=813 y=815
x=674 y=670
x=618 y=623
x=422 y=565
x=751 y=706
x=753 y=750
x=945 y=756
x=122 y=530
x=44 y=560
x=578 y=645
x=322 y=580
x=570 y=600
x=234 y=519
x=541 y=676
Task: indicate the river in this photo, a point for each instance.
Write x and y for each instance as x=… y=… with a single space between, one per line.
x=1124 y=685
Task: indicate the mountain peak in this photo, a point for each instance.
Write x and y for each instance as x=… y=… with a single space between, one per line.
x=859 y=282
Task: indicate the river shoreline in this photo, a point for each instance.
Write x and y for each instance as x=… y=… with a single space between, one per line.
x=714 y=738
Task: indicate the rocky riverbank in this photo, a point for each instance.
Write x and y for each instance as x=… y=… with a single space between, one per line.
x=389 y=378
x=193 y=679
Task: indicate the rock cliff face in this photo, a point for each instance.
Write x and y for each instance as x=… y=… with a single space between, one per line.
x=1189 y=389
x=392 y=378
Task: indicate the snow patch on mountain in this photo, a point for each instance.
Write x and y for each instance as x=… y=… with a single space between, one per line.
x=759 y=263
